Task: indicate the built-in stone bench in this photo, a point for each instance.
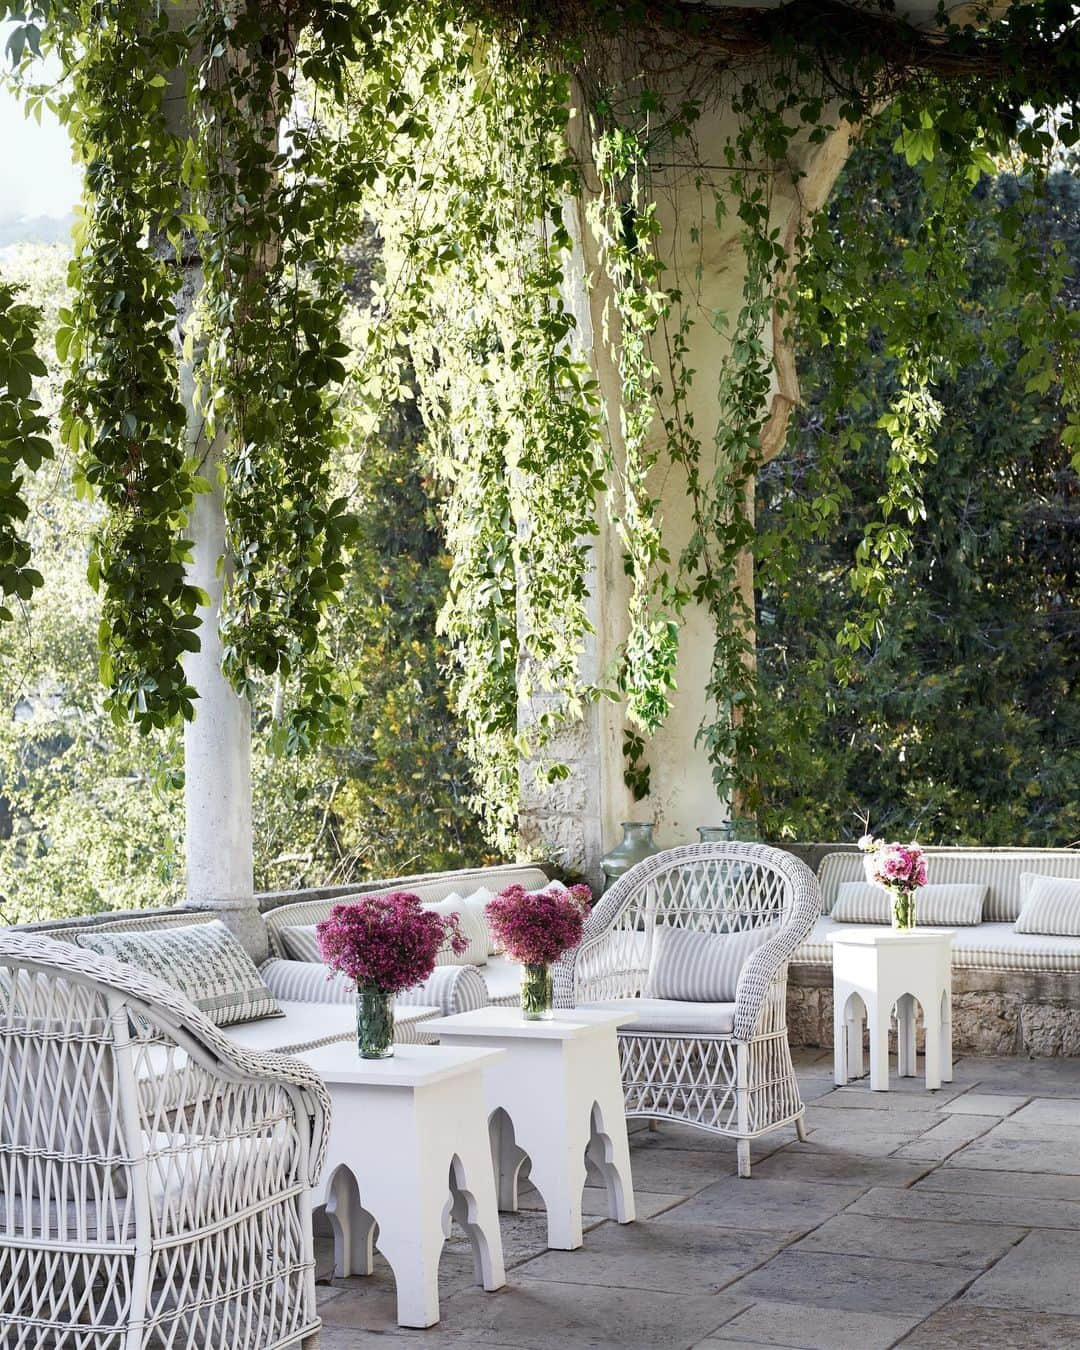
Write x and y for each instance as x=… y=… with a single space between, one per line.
x=1024 y=1009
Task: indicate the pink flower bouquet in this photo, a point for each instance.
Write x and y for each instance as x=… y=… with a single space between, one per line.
x=386 y=943
x=535 y=928
x=899 y=868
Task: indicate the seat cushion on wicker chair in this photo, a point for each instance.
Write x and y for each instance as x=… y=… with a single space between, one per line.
x=1051 y=905
x=669 y=1015
x=700 y=967
x=204 y=961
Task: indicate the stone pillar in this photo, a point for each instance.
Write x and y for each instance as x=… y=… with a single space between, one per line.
x=217 y=743
x=579 y=818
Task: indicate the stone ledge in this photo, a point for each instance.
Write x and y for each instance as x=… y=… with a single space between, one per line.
x=995 y=1012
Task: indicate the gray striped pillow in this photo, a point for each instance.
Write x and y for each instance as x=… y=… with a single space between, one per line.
x=1051 y=906
x=700 y=967
x=955 y=905
x=859 y=902
x=300 y=943
x=204 y=961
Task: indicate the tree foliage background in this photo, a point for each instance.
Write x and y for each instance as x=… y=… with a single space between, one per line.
x=960 y=724
x=91 y=811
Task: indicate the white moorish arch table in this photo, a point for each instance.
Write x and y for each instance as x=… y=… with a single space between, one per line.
x=408 y=1141
x=559 y=1083
x=875 y=970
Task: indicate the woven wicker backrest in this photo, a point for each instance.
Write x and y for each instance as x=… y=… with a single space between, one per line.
x=711 y=888
x=1000 y=868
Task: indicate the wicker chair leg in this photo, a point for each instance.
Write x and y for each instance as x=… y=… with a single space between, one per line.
x=800 y=1128
x=744 y=1157
x=310 y=1342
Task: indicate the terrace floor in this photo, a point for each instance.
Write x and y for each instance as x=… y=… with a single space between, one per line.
x=927 y=1220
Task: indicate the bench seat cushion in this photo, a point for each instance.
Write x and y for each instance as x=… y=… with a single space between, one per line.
x=671 y=1016
x=984 y=946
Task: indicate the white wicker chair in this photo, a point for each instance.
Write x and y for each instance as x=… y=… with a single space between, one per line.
x=155 y=1179
x=725 y=1068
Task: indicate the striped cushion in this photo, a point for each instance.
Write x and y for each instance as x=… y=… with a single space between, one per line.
x=955 y=905
x=1000 y=869
x=1051 y=905
x=700 y=967
x=301 y=944
x=983 y=946
x=859 y=902
x=204 y=961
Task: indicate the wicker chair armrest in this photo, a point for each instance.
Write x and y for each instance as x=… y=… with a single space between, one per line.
x=193 y=1031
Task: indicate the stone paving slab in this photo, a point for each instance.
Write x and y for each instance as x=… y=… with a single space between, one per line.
x=1002 y=1151
x=985 y=1104
x=971 y=1245
x=857 y=1283
x=897 y=1119
x=594 y=1202
x=792 y=1324
x=761 y=1205
x=964 y=1208
x=679 y=1258
x=844 y=1169
x=861 y=1143
x=543 y=1314
x=963 y=1327
x=1041 y=1273
x=972 y=1181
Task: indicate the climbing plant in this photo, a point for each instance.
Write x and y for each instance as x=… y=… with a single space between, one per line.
x=468 y=131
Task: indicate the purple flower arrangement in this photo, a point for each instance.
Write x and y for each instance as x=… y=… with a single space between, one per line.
x=536 y=927
x=901 y=869
x=387 y=942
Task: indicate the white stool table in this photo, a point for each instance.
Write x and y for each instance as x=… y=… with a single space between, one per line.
x=408 y=1141
x=560 y=1086
x=875 y=970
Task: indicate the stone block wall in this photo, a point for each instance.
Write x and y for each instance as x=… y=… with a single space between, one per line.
x=1033 y=1014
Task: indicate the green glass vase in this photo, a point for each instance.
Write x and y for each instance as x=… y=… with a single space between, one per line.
x=374 y=1022
x=537 y=993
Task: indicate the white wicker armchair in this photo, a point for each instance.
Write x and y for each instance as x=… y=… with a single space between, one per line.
x=724 y=1067
x=155 y=1179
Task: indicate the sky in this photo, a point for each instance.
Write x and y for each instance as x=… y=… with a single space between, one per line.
x=37 y=177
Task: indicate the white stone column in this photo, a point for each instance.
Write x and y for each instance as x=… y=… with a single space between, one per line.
x=217 y=743
x=579 y=818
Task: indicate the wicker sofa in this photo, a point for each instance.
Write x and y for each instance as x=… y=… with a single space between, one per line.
x=1013 y=993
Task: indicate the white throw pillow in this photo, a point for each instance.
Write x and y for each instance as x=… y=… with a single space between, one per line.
x=859 y=902
x=473 y=928
x=1051 y=906
x=700 y=967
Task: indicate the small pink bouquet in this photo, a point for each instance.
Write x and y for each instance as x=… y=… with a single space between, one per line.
x=535 y=928
x=386 y=943
x=900 y=869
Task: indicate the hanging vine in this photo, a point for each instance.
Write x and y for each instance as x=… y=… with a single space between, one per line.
x=466 y=132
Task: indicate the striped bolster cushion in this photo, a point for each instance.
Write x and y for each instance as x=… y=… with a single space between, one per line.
x=1051 y=905
x=700 y=967
x=957 y=904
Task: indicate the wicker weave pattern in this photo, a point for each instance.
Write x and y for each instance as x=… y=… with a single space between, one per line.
x=742 y=1084
x=125 y=1221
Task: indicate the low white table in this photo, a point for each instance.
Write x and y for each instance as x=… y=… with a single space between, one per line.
x=559 y=1084
x=875 y=969
x=409 y=1134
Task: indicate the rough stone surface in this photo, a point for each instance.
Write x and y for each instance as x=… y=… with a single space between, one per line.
x=847 y=1242
x=1050 y=1029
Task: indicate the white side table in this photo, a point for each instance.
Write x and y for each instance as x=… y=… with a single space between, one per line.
x=409 y=1134
x=875 y=969
x=560 y=1085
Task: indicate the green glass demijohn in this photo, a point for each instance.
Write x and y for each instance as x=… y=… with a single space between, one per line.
x=636 y=844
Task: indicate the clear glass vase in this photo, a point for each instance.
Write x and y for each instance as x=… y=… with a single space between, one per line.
x=374 y=1022
x=636 y=844
x=716 y=834
x=537 y=993
x=903 y=909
